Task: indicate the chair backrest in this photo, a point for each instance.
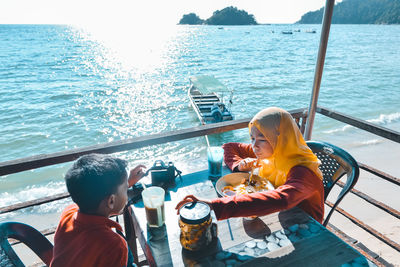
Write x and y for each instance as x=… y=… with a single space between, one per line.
x=27 y=235
x=335 y=162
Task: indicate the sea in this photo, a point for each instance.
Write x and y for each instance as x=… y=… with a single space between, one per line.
x=64 y=87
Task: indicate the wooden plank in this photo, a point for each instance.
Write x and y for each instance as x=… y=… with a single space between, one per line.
x=205 y=107
x=199 y=98
x=42 y=160
x=370 y=255
x=373 y=201
x=203 y=103
x=361 y=124
x=23 y=164
x=379 y=173
x=34 y=202
x=367 y=228
x=205 y=96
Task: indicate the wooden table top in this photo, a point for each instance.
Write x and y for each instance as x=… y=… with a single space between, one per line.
x=287 y=238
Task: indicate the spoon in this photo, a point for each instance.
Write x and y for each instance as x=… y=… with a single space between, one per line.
x=251 y=182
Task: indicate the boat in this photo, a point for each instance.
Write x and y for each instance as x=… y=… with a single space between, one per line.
x=287 y=32
x=206 y=102
x=311 y=31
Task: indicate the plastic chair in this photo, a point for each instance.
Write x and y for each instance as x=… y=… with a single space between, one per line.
x=27 y=235
x=335 y=162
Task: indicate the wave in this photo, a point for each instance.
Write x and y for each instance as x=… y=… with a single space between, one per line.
x=342 y=129
x=386 y=118
x=383 y=119
x=35 y=192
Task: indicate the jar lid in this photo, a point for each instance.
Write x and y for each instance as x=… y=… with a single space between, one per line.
x=194 y=212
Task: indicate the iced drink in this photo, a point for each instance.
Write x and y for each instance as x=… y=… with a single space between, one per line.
x=215 y=155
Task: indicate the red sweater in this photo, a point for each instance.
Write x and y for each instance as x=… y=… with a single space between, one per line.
x=87 y=240
x=302 y=188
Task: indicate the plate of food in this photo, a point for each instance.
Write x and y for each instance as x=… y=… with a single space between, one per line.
x=238 y=183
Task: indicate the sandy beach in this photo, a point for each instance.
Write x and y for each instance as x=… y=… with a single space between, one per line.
x=383 y=156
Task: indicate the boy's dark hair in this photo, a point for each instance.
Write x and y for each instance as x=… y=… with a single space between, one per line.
x=92 y=178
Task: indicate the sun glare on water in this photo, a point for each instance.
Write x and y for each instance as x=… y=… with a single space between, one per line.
x=132 y=60
x=135 y=48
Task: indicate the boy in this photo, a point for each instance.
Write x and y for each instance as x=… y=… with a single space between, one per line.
x=98 y=185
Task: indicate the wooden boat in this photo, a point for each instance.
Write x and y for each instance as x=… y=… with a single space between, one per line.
x=207 y=104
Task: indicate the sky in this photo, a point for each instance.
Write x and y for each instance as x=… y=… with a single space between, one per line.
x=89 y=12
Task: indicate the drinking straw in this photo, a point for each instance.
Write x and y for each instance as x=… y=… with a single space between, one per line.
x=208 y=142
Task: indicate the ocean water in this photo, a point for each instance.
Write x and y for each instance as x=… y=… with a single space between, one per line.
x=63 y=87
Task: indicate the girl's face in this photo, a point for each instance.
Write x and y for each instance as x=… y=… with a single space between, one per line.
x=261 y=147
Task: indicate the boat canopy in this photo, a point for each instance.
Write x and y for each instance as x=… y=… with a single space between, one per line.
x=207 y=84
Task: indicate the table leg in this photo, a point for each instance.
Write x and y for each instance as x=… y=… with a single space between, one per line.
x=130 y=232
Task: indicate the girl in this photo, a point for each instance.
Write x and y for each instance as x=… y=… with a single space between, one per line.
x=284 y=159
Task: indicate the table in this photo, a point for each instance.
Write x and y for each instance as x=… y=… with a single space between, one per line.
x=286 y=238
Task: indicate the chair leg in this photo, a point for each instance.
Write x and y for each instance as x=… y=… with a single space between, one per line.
x=130 y=232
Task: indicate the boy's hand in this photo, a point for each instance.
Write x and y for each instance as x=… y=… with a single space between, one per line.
x=136 y=174
x=191 y=198
x=246 y=164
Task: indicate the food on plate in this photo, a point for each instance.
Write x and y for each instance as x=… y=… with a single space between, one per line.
x=246 y=186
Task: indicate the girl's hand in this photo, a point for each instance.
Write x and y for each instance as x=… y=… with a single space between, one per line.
x=136 y=174
x=191 y=198
x=247 y=164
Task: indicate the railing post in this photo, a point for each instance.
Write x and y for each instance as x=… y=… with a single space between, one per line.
x=326 y=25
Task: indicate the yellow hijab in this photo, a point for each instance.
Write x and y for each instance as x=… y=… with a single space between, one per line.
x=290 y=149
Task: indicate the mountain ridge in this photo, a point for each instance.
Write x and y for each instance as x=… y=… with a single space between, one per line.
x=358 y=12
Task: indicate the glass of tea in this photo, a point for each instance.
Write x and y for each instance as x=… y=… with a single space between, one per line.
x=153 y=200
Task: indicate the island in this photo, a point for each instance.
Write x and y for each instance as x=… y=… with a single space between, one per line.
x=227 y=16
x=358 y=12
x=191 y=19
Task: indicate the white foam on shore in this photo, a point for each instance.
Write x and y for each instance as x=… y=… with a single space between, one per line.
x=33 y=192
x=367 y=143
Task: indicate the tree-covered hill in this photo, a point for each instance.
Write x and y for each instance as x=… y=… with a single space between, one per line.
x=359 y=12
x=191 y=19
x=227 y=16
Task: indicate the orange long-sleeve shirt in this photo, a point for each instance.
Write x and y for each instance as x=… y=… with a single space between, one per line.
x=302 y=188
x=87 y=240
